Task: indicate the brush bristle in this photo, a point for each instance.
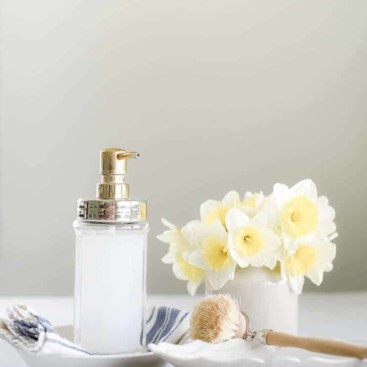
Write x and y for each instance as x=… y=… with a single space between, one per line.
x=215 y=319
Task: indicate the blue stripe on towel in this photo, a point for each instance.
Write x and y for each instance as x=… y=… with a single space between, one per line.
x=27 y=328
x=169 y=325
x=151 y=316
x=161 y=315
x=46 y=324
x=165 y=320
x=159 y=322
x=175 y=328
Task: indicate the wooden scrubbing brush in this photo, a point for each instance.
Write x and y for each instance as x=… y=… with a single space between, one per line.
x=218 y=318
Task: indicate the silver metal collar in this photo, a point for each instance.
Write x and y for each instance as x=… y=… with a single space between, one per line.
x=113 y=211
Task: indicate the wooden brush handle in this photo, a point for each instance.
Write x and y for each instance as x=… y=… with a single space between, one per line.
x=317 y=345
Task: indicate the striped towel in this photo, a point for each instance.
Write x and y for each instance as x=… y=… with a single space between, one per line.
x=25 y=330
x=166 y=324
x=28 y=331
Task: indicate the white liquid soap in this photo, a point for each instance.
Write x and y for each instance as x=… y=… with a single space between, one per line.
x=111 y=236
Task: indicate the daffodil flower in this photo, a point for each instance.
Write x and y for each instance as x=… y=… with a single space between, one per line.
x=252 y=203
x=213 y=255
x=251 y=242
x=302 y=212
x=311 y=260
x=182 y=242
x=212 y=210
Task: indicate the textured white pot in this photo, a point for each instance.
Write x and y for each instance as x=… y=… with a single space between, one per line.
x=265 y=298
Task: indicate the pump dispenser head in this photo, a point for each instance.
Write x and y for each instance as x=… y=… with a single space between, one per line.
x=112 y=203
x=113 y=168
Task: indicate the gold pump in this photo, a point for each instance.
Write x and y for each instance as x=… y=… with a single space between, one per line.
x=112 y=204
x=113 y=168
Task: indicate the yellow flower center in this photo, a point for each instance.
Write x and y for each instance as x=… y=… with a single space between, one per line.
x=248 y=241
x=302 y=261
x=192 y=273
x=299 y=217
x=217 y=213
x=216 y=253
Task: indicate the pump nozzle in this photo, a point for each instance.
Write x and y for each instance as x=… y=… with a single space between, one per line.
x=126 y=155
x=113 y=165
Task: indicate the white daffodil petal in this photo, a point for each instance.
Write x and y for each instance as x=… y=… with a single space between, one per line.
x=322 y=201
x=265 y=258
x=329 y=230
x=296 y=283
x=305 y=188
x=283 y=270
x=232 y=270
x=248 y=195
x=169 y=258
x=271 y=260
x=270 y=211
x=260 y=219
x=271 y=240
x=328 y=267
x=231 y=199
x=170 y=236
x=257 y=261
x=200 y=231
x=326 y=213
x=178 y=271
x=217 y=229
x=235 y=219
x=252 y=203
x=232 y=248
x=188 y=232
x=185 y=254
x=326 y=220
x=185 y=271
x=281 y=194
x=196 y=259
x=192 y=287
x=290 y=245
x=316 y=276
x=217 y=279
x=243 y=262
x=207 y=208
x=326 y=252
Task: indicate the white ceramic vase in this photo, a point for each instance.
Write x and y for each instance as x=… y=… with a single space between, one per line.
x=265 y=298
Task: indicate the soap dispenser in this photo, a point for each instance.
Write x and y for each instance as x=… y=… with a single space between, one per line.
x=111 y=236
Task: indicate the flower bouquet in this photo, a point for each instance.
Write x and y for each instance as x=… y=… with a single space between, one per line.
x=289 y=231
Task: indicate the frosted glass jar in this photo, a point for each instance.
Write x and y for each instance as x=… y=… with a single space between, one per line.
x=110 y=286
x=265 y=298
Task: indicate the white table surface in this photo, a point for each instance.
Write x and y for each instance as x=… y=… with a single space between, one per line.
x=340 y=315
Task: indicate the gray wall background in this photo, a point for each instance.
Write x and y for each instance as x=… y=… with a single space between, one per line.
x=215 y=94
